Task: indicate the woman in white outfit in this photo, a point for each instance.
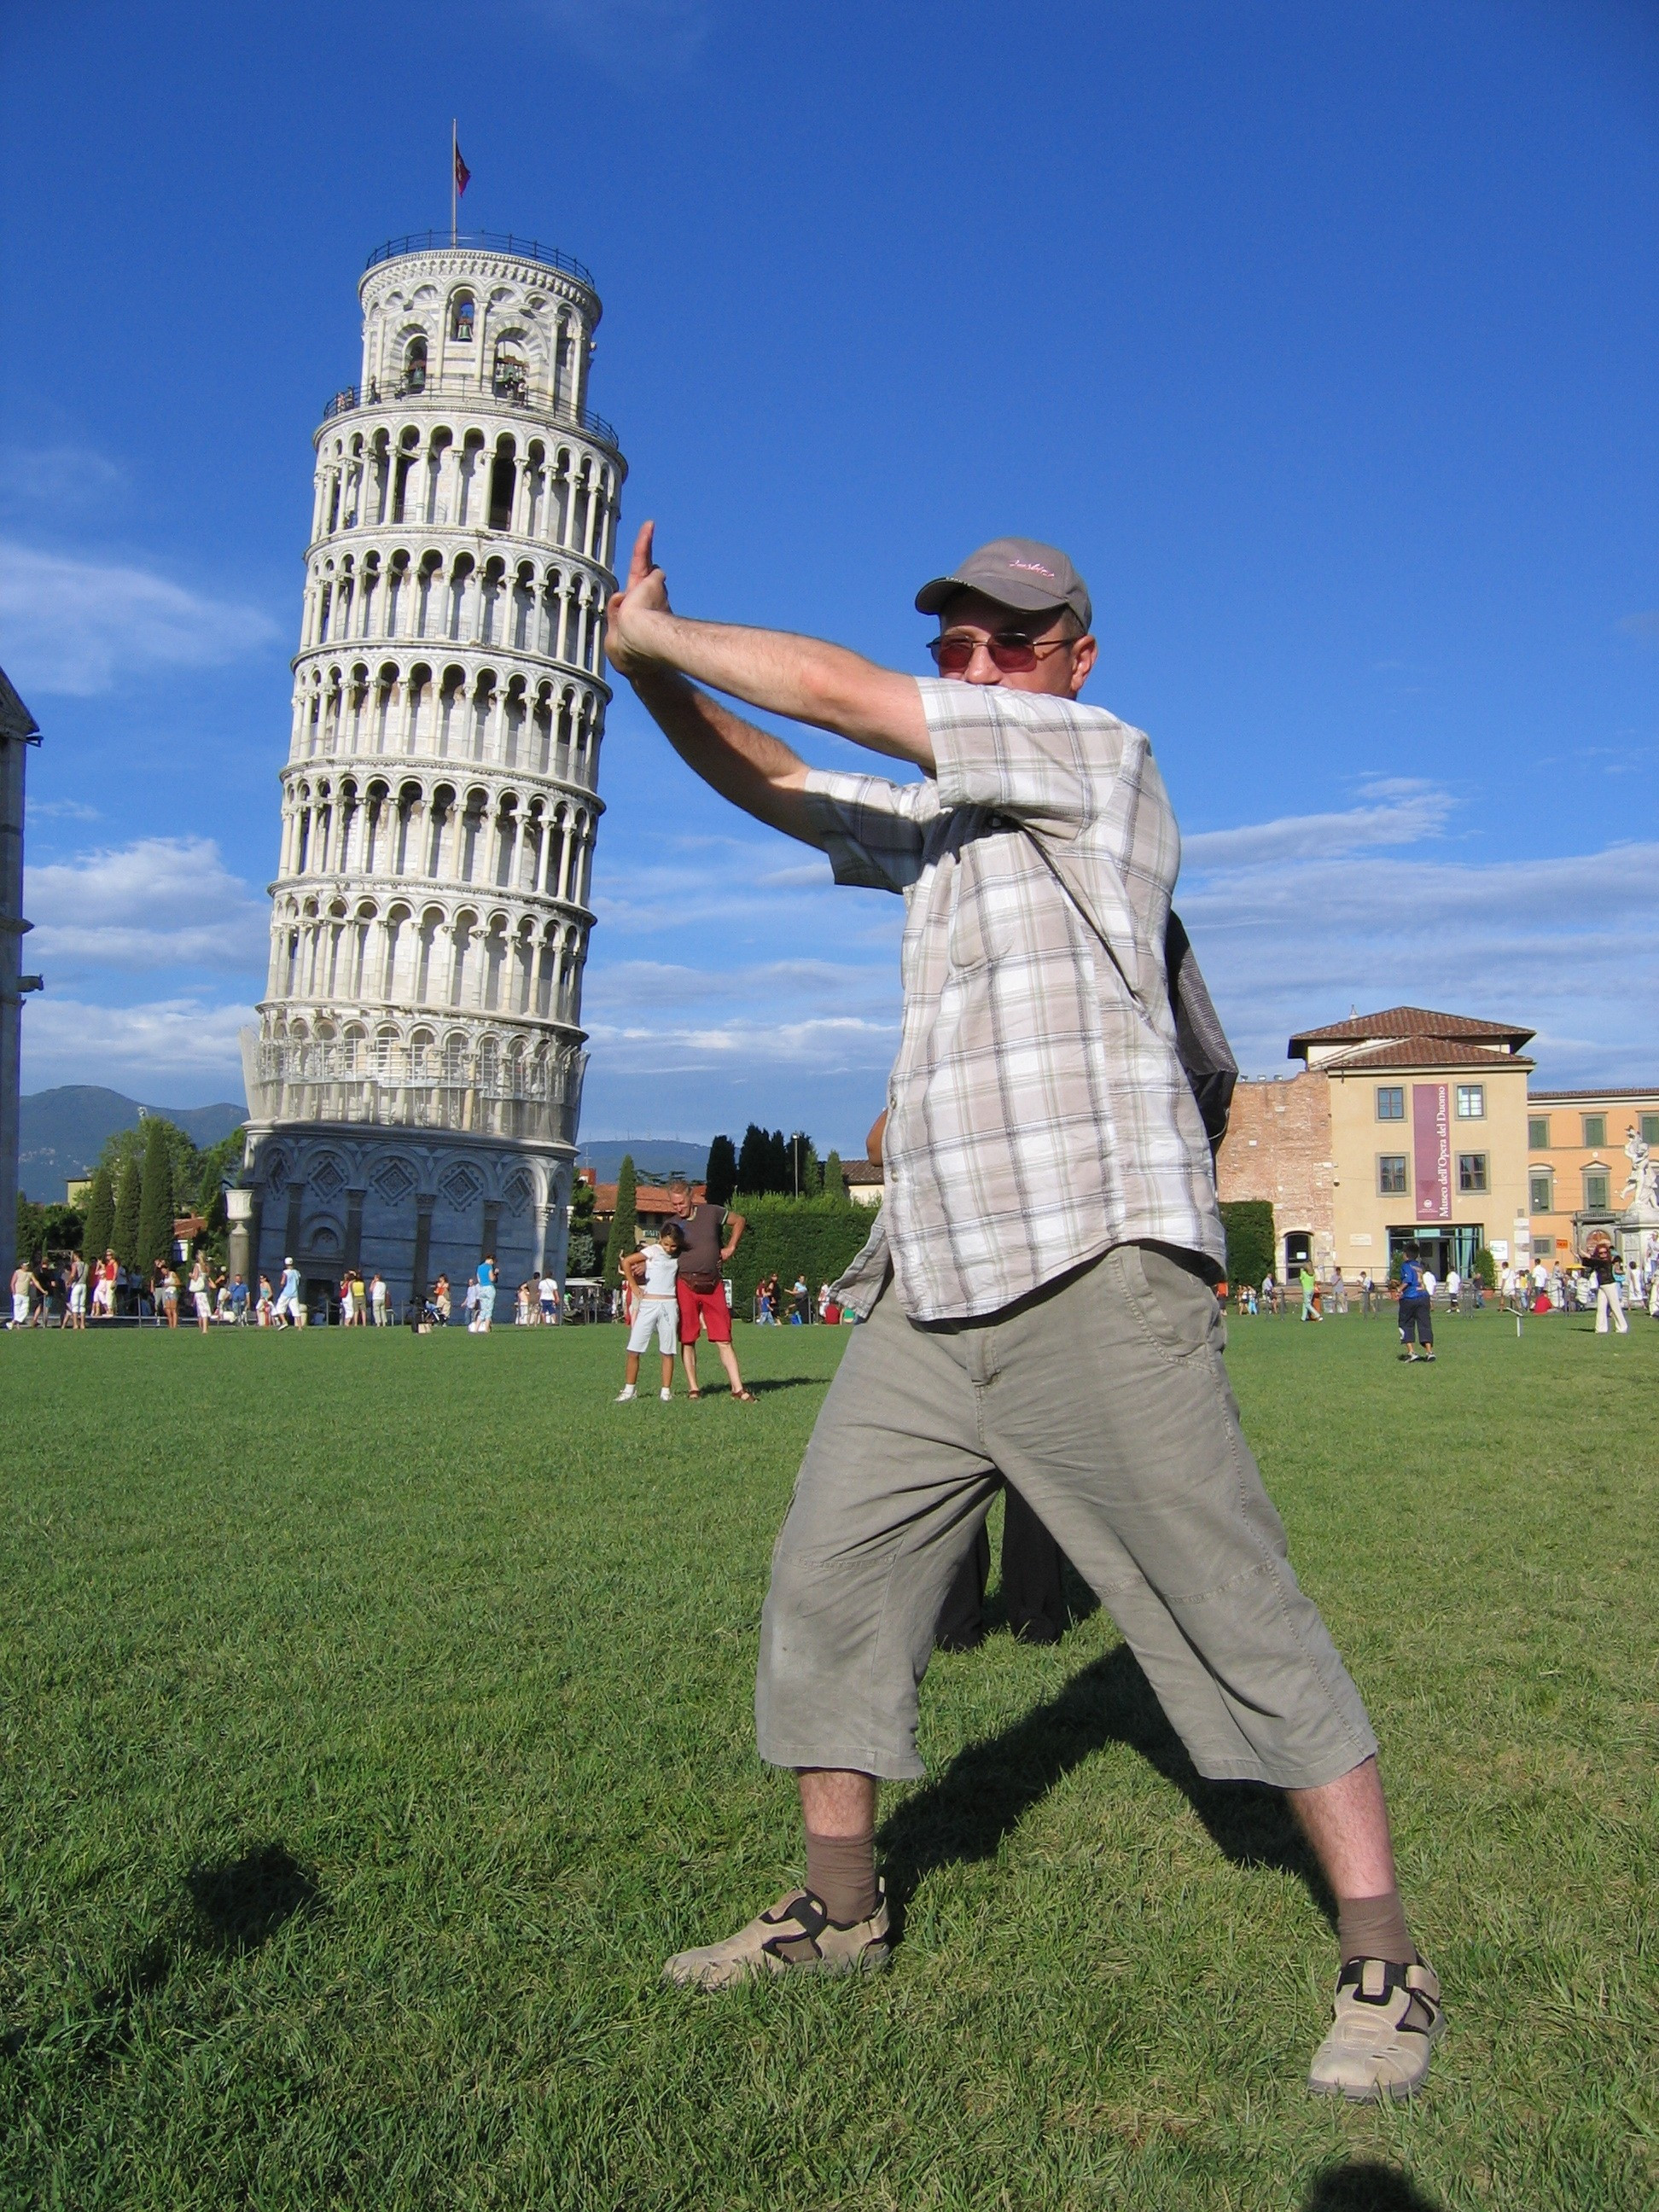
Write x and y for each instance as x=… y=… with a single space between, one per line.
x=201 y=1292
x=653 y=1274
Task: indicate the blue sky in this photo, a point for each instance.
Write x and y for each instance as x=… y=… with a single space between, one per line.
x=1323 y=337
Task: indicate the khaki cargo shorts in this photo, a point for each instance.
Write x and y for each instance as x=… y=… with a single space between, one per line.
x=1105 y=1401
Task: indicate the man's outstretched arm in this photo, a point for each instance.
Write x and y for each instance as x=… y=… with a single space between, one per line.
x=752 y=769
x=800 y=677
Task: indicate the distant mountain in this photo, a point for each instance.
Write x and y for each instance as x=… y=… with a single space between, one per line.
x=63 y=1131
x=653 y=1156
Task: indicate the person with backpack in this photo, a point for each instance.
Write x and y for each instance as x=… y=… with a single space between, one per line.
x=1049 y=1185
x=1416 y=1307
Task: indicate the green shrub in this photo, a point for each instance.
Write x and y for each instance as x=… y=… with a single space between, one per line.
x=1485 y=1269
x=1251 y=1246
x=812 y=1238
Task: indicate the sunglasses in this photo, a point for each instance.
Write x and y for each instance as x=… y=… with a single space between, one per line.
x=1012 y=650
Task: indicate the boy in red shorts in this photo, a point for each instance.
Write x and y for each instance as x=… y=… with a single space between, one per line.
x=711 y=1237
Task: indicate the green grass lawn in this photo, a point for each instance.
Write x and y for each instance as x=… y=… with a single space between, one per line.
x=377 y=1717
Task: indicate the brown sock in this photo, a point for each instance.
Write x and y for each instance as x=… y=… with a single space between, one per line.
x=840 y=1873
x=1373 y=1928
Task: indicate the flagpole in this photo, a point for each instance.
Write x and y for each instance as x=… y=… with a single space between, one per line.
x=454 y=143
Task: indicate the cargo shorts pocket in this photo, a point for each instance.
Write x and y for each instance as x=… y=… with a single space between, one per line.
x=1176 y=1309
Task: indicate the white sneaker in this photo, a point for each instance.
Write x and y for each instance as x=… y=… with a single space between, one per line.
x=665 y=1396
x=625 y=1394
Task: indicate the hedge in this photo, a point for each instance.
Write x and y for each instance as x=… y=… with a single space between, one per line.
x=1252 y=1248
x=812 y=1237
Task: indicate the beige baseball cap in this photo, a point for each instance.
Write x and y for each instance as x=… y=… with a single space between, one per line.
x=1016 y=572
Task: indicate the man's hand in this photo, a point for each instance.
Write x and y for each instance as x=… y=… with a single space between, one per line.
x=644 y=591
x=799 y=676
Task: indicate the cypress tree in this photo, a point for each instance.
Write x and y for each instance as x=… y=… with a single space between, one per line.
x=779 y=1179
x=156 y=1203
x=100 y=1216
x=835 y=1182
x=124 y=1236
x=624 y=1222
x=753 y=1164
x=721 y=1176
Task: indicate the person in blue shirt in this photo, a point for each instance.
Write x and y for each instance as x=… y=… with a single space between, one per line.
x=486 y=1293
x=1416 y=1318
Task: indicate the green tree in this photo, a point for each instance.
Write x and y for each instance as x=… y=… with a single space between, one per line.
x=31 y=1230
x=1485 y=1269
x=100 y=1214
x=155 y=1199
x=835 y=1179
x=128 y=1145
x=1248 y=1223
x=65 y=1228
x=624 y=1222
x=721 y=1176
x=128 y=1198
x=581 y=1253
x=213 y=1169
x=754 y=1163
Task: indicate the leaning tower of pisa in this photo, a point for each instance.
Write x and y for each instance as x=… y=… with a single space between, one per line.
x=416 y=1077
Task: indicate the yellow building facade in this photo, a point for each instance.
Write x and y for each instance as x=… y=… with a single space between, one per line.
x=1576 y=1166
x=1408 y=1126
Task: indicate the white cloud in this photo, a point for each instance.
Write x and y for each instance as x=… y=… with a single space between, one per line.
x=183 y=1043
x=58 y=476
x=161 y=903
x=61 y=810
x=1293 y=929
x=76 y=626
x=1403 y=812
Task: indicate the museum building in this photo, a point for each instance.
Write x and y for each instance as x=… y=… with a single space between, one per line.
x=1414 y=1125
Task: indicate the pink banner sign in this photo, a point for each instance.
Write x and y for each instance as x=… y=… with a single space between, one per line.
x=1432 y=1151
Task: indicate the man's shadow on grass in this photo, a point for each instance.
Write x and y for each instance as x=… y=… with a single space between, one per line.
x=227 y=1909
x=1363 y=2185
x=987 y=1789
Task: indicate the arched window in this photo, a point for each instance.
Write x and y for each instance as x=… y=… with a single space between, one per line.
x=413 y=367
x=512 y=376
x=461 y=317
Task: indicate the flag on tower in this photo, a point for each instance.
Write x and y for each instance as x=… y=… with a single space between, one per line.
x=463 y=175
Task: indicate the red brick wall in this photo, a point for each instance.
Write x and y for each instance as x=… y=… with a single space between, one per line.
x=1279 y=1147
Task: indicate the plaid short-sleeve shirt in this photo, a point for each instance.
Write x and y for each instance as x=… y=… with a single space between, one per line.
x=1038 y=1112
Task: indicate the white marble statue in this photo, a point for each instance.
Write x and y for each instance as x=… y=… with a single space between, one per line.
x=1642 y=1185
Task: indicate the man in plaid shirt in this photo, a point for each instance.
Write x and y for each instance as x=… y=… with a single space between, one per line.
x=1037 y=1292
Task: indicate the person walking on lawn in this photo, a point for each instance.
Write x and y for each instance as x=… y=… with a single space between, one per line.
x=1416 y=1307
x=711 y=1235
x=1049 y=1185
x=1601 y=1266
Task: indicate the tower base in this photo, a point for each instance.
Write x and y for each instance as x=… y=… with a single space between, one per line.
x=410 y=1204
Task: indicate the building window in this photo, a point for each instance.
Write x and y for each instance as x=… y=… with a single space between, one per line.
x=1595 y=1131
x=1391 y=1174
x=1595 y=1190
x=1650 y=1127
x=1472 y=1171
x=413 y=367
x=460 y=320
x=1471 y=1102
x=1543 y=1193
x=1390 y=1102
x=1537 y=1133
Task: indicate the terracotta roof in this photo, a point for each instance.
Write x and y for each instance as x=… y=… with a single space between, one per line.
x=861 y=1171
x=650 y=1200
x=1402 y=1022
x=1431 y=1052
x=1589 y=1094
